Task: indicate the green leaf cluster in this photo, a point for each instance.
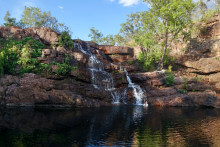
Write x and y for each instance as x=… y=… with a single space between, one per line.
x=64 y=40
x=170 y=79
x=22 y=54
x=64 y=68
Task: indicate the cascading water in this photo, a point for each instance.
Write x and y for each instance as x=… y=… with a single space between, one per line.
x=138 y=92
x=117 y=96
x=101 y=78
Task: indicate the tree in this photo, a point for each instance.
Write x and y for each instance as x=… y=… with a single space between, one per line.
x=108 y=40
x=148 y=38
x=131 y=27
x=9 y=21
x=175 y=16
x=95 y=35
x=33 y=17
x=119 y=40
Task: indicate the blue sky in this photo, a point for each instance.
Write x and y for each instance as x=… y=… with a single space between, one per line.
x=80 y=15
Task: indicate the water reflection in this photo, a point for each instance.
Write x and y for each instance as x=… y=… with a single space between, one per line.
x=110 y=126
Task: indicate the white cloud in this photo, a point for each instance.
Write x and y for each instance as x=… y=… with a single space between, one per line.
x=127 y=3
x=60 y=7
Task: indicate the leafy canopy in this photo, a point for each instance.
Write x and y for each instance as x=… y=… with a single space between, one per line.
x=165 y=20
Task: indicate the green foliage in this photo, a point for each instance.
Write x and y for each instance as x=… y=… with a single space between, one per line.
x=64 y=68
x=183 y=91
x=119 y=40
x=64 y=40
x=1 y=63
x=21 y=54
x=193 y=90
x=131 y=27
x=217 y=58
x=95 y=35
x=170 y=79
x=163 y=18
x=203 y=30
x=197 y=78
x=129 y=62
x=169 y=70
x=9 y=21
x=185 y=83
x=151 y=56
x=46 y=68
x=108 y=40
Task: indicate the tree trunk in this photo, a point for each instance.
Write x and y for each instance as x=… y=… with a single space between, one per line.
x=160 y=65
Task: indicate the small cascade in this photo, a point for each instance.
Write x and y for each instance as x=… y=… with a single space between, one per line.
x=117 y=96
x=138 y=92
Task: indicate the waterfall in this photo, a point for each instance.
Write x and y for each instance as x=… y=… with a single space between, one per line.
x=100 y=78
x=117 y=96
x=138 y=92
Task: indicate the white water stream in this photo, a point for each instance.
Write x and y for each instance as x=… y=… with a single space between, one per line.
x=138 y=92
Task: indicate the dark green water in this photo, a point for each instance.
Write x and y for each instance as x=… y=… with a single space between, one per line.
x=110 y=126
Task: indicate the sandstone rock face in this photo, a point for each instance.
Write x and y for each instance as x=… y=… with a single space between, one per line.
x=118 y=53
x=33 y=90
x=190 y=99
x=204 y=65
x=45 y=35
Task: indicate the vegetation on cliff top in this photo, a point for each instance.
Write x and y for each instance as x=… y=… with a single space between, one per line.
x=18 y=57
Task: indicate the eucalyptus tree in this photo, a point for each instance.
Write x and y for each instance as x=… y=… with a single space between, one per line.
x=148 y=37
x=119 y=40
x=9 y=21
x=174 y=15
x=95 y=35
x=108 y=40
x=131 y=27
x=33 y=17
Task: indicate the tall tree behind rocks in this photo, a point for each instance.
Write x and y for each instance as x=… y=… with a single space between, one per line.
x=108 y=40
x=33 y=17
x=95 y=35
x=9 y=21
x=175 y=16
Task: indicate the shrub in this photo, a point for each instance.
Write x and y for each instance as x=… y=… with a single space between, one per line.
x=21 y=53
x=183 y=91
x=64 y=40
x=153 y=55
x=169 y=70
x=1 y=63
x=170 y=79
x=65 y=68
